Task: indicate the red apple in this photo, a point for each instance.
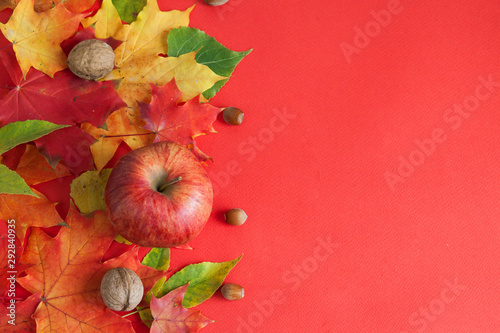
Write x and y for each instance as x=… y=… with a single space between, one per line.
x=159 y=195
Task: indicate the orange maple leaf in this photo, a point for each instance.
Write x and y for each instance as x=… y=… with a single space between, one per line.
x=29 y=211
x=68 y=270
x=35 y=169
x=36 y=38
x=120 y=128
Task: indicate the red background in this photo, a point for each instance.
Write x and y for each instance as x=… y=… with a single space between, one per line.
x=322 y=175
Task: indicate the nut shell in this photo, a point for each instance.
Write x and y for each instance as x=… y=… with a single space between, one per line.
x=121 y=289
x=232 y=291
x=91 y=59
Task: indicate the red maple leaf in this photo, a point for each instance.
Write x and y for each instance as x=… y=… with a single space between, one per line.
x=172 y=121
x=20 y=315
x=170 y=316
x=64 y=99
x=72 y=145
x=10 y=252
x=68 y=270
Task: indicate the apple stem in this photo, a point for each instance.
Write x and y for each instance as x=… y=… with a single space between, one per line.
x=173 y=181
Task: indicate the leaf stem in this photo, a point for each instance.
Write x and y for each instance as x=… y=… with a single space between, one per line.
x=131 y=313
x=118 y=136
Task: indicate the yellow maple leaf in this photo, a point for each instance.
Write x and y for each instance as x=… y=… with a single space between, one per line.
x=120 y=128
x=107 y=21
x=87 y=190
x=191 y=78
x=147 y=35
x=36 y=37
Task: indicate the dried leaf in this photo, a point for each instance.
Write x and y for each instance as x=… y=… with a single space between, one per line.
x=34 y=169
x=28 y=211
x=12 y=183
x=107 y=21
x=66 y=99
x=158 y=258
x=174 y=122
x=147 y=35
x=119 y=128
x=70 y=273
x=36 y=37
x=87 y=190
x=129 y=9
x=221 y=60
x=21 y=316
x=204 y=279
x=19 y=132
x=10 y=253
x=170 y=316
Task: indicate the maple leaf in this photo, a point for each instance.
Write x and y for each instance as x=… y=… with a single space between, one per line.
x=87 y=190
x=72 y=145
x=28 y=211
x=76 y=6
x=170 y=316
x=217 y=57
x=171 y=121
x=147 y=35
x=87 y=33
x=34 y=169
x=119 y=128
x=191 y=77
x=10 y=252
x=129 y=9
x=36 y=37
x=68 y=270
x=4 y=4
x=107 y=21
x=22 y=315
x=66 y=99
x=137 y=58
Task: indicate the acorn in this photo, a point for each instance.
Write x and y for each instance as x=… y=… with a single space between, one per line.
x=232 y=115
x=235 y=216
x=232 y=291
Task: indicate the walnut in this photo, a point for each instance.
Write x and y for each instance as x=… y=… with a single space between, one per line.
x=91 y=59
x=121 y=289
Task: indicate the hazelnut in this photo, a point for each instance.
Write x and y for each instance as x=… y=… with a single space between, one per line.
x=215 y=2
x=232 y=115
x=91 y=59
x=121 y=289
x=235 y=216
x=232 y=291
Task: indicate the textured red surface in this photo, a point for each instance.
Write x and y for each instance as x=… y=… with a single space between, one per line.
x=408 y=248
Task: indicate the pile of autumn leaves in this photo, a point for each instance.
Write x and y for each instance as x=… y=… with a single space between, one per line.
x=165 y=74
